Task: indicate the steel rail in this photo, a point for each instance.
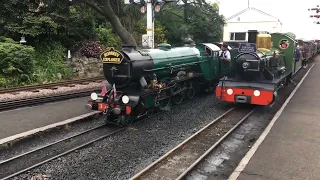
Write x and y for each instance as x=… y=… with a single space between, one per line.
x=200 y=159
x=78 y=147
x=149 y=169
x=62 y=154
x=50 y=144
x=49 y=85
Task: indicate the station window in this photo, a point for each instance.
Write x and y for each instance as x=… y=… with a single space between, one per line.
x=238 y=36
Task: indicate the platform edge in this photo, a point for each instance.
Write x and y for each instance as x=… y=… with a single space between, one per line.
x=245 y=160
x=45 y=128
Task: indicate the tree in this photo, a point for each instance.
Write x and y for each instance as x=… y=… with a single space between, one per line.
x=202 y=22
x=53 y=17
x=104 y=7
x=51 y=22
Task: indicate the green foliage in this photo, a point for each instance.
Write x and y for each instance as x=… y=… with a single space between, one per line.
x=107 y=38
x=7 y=40
x=16 y=63
x=50 y=64
x=160 y=32
x=56 y=22
x=171 y=17
x=203 y=23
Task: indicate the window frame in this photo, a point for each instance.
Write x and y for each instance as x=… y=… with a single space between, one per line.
x=233 y=36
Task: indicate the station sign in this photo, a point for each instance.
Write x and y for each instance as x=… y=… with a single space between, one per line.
x=112 y=56
x=247 y=48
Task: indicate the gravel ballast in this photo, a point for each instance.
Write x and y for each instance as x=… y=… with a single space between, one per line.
x=126 y=153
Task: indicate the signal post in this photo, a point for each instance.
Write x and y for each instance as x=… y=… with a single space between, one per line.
x=149 y=7
x=317 y=10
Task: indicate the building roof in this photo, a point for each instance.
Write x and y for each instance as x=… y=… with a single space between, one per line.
x=254 y=9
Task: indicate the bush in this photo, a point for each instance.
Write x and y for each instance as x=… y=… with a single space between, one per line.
x=107 y=37
x=16 y=63
x=88 y=48
x=50 y=64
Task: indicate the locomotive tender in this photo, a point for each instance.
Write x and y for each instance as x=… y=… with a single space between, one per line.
x=264 y=65
x=147 y=80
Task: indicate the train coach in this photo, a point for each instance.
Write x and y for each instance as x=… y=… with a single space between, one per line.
x=147 y=80
x=308 y=48
x=264 y=65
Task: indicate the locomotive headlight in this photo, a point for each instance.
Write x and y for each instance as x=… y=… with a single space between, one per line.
x=125 y=99
x=229 y=91
x=256 y=93
x=94 y=96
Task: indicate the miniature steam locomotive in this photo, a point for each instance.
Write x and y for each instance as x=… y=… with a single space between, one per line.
x=148 y=80
x=263 y=66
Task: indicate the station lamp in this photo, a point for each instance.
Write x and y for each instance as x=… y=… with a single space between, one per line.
x=23 y=40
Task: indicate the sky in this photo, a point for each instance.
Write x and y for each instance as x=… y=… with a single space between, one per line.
x=294 y=15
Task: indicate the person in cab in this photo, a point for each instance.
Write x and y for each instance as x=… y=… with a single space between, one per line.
x=224 y=54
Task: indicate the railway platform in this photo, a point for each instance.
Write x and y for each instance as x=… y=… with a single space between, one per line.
x=21 y=120
x=289 y=148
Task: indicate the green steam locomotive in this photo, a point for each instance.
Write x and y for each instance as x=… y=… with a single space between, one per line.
x=144 y=81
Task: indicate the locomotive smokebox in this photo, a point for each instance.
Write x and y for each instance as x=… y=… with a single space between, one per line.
x=252 y=36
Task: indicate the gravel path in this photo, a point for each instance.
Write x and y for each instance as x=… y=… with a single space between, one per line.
x=126 y=153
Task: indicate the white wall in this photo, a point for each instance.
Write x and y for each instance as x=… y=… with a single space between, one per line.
x=269 y=26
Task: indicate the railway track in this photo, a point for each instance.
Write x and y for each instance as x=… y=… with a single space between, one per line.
x=18 y=103
x=102 y=132
x=178 y=162
x=44 y=154
x=68 y=83
x=13 y=104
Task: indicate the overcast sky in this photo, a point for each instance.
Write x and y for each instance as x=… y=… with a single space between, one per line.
x=294 y=15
